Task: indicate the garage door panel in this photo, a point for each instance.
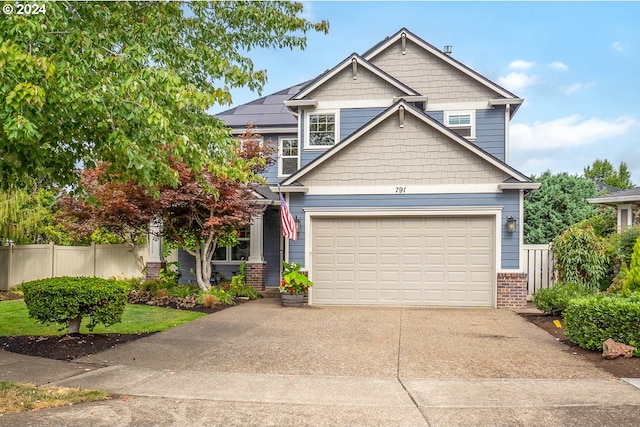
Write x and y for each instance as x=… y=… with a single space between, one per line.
x=404 y=260
x=346 y=294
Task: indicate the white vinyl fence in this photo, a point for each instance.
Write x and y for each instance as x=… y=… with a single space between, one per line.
x=538 y=260
x=23 y=263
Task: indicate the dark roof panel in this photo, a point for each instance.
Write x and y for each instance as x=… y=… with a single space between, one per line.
x=263 y=112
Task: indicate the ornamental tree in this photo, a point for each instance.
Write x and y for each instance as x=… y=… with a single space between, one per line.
x=200 y=213
x=129 y=84
x=203 y=210
x=122 y=208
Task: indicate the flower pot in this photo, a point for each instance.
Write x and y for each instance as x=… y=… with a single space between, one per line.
x=292 y=300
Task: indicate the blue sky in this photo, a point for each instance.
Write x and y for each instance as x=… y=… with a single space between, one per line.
x=576 y=64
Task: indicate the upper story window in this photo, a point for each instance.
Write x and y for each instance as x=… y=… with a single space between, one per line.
x=322 y=129
x=461 y=122
x=287 y=156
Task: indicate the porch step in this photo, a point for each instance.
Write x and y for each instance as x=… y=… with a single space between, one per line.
x=270 y=293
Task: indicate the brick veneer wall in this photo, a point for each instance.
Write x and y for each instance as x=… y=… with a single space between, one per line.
x=512 y=290
x=257 y=275
x=153 y=269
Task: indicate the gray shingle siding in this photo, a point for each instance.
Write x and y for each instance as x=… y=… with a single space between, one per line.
x=508 y=200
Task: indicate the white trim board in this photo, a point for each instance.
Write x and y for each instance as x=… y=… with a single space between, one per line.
x=400 y=189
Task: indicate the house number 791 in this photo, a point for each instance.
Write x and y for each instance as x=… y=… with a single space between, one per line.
x=400 y=190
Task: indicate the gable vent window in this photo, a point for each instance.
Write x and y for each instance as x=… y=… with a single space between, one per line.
x=322 y=130
x=461 y=122
x=288 y=163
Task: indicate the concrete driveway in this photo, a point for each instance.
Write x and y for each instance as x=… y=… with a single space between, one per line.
x=262 y=364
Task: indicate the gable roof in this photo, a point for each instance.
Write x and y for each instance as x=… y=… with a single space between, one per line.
x=410 y=109
x=447 y=59
x=348 y=62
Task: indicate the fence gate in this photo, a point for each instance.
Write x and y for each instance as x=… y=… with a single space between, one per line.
x=539 y=267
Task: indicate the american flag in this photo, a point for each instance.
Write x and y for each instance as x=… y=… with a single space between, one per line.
x=288 y=224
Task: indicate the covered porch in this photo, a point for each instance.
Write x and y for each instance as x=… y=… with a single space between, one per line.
x=626 y=203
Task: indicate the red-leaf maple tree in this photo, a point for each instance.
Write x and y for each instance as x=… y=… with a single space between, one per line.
x=122 y=208
x=196 y=214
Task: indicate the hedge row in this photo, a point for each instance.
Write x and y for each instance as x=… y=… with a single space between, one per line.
x=589 y=322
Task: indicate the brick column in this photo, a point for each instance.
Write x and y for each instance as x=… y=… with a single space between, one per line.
x=257 y=275
x=153 y=269
x=512 y=290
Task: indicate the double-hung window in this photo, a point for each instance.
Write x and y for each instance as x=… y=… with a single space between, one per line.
x=322 y=129
x=237 y=253
x=288 y=156
x=461 y=122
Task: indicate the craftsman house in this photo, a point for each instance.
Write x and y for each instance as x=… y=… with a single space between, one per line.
x=395 y=166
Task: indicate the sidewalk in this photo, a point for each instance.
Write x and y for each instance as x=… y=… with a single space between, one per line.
x=223 y=383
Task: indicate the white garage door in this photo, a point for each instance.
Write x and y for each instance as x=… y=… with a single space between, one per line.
x=404 y=261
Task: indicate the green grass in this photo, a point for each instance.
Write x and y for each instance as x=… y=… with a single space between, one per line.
x=15 y=320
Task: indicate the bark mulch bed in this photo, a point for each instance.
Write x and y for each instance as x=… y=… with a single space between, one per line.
x=619 y=367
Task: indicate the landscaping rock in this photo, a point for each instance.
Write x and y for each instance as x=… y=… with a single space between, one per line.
x=612 y=349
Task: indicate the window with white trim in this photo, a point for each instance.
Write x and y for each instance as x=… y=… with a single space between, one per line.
x=321 y=129
x=237 y=253
x=461 y=122
x=288 y=156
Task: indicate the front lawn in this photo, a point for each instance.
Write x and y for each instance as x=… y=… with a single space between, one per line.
x=136 y=319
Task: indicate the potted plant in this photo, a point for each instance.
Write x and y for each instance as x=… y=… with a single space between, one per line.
x=293 y=285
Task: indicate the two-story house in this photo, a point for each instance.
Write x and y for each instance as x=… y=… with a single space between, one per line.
x=395 y=165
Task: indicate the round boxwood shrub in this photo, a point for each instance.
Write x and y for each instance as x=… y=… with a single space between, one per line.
x=555 y=300
x=589 y=322
x=66 y=300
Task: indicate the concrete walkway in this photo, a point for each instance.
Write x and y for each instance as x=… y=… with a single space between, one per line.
x=260 y=364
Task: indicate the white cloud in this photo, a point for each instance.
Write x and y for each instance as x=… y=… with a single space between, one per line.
x=567 y=132
x=519 y=64
x=572 y=88
x=517 y=81
x=617 y=46
x=560 y=66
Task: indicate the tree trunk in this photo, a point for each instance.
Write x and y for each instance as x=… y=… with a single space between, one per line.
x=74 y=325
x=204 y=254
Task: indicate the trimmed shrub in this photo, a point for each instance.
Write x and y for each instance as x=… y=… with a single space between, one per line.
x=66 y=300
x=589 y=322
x=555 y=300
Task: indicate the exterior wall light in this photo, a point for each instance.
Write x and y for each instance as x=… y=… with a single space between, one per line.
x=511 y=224
x=297 y=223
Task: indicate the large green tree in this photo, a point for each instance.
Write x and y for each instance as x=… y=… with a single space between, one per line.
x=130 y=84
x=603 y=170
x=27 y=217
x=560 y=202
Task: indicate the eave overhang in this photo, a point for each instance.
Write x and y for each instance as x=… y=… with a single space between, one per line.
x=519 y=185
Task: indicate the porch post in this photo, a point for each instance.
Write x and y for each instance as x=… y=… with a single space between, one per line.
x=155 y=260
x=256 y=267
